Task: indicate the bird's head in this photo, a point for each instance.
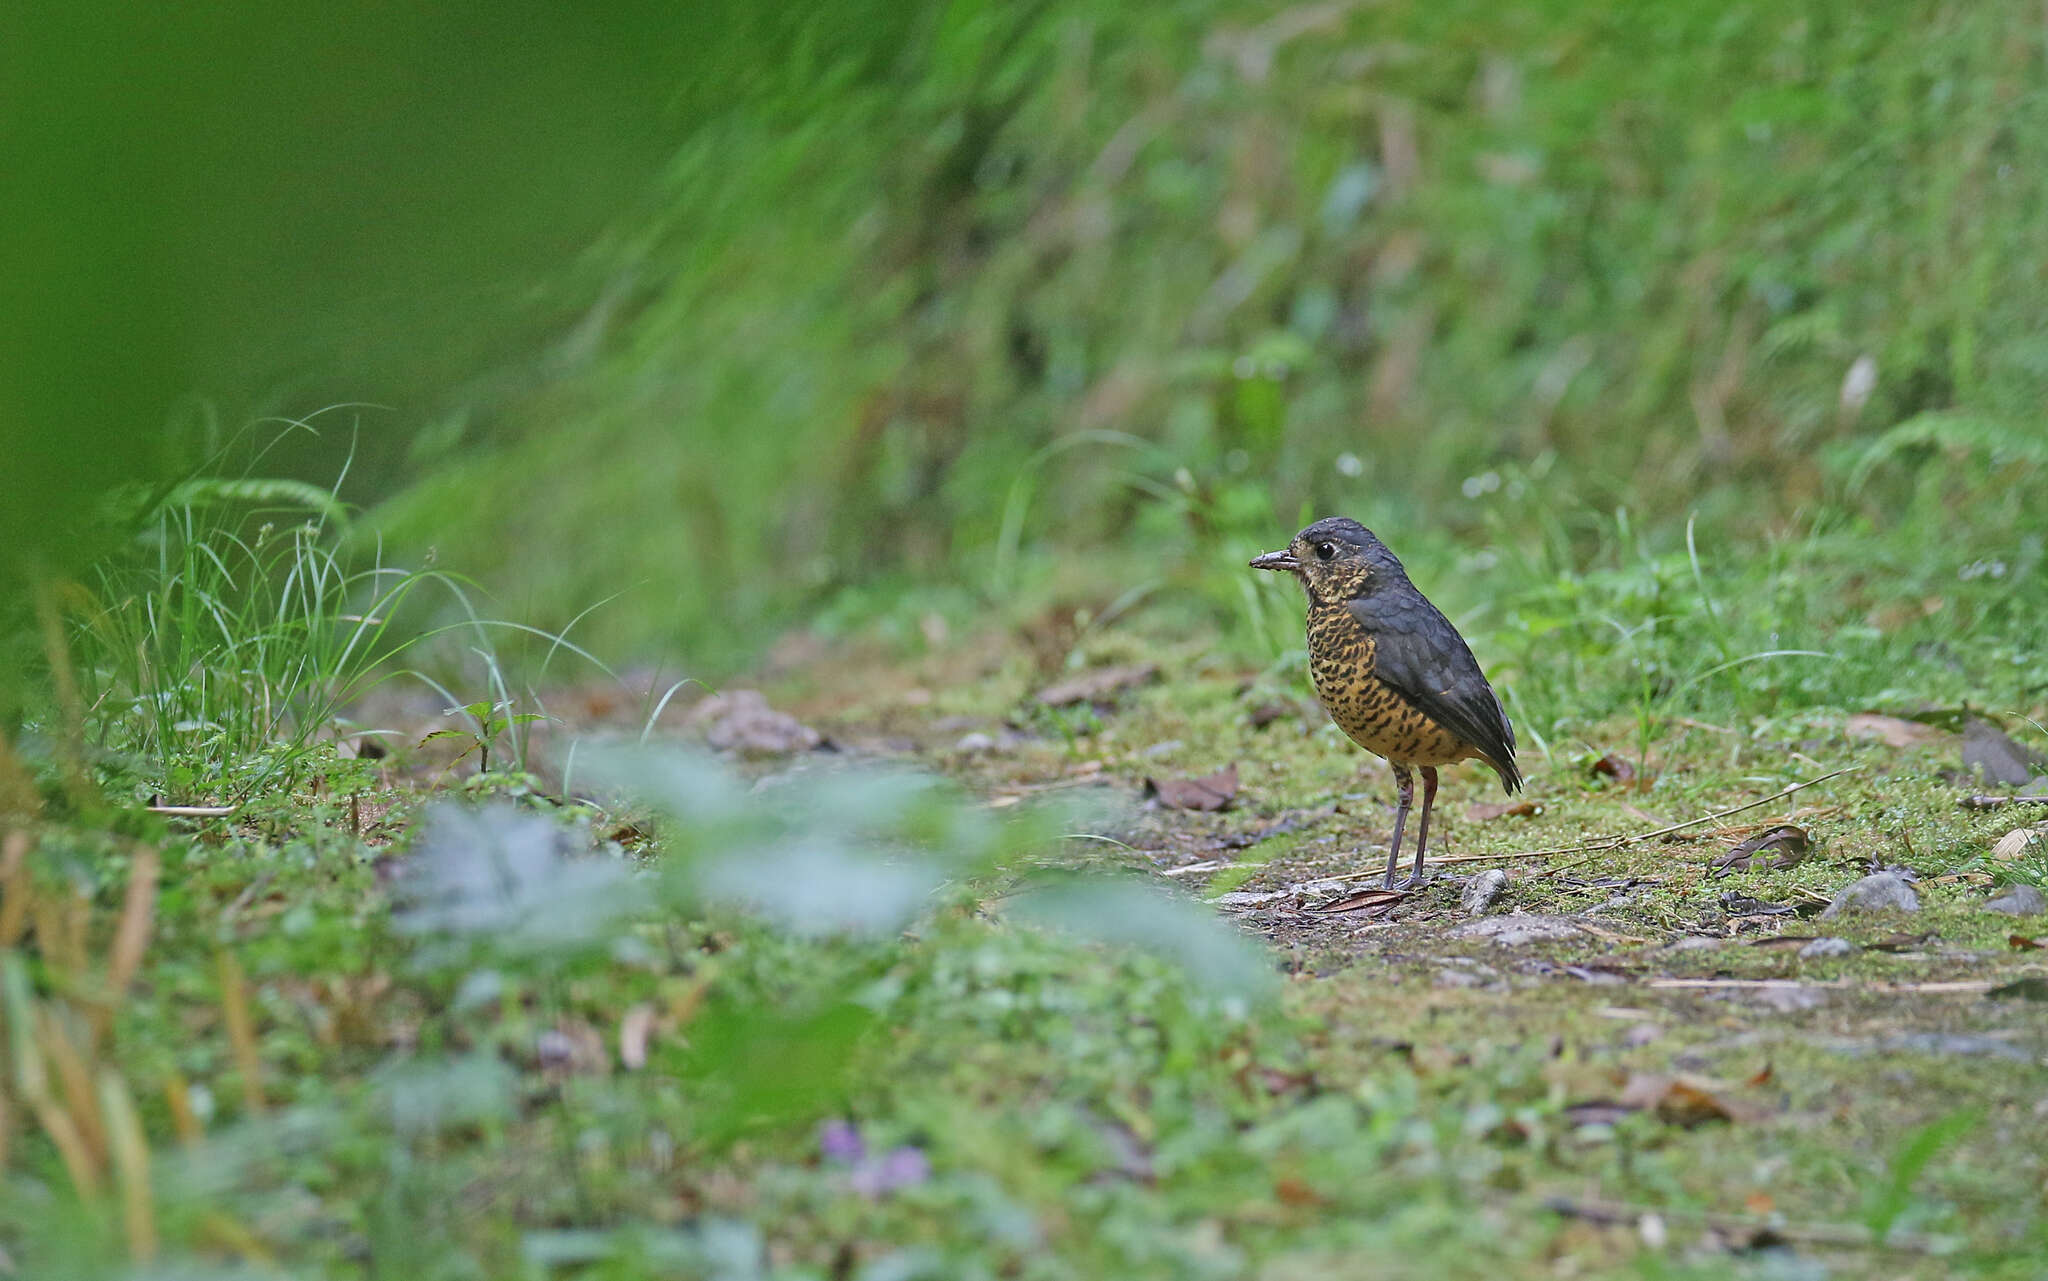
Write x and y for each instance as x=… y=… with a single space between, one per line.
x=1335 y=559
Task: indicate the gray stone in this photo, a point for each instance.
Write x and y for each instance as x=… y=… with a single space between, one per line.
x=1820 y=949
x=2000 y=760
x=1517 y=930
x=974 y=743
x=1883 y=892
x=2019 y=900
x=741 y=721
x=1482 y=890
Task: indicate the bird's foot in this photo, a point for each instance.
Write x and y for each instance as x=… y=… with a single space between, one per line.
x=1413 y=881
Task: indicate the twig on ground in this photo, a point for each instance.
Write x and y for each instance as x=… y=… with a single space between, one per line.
x=1616 y=842
x=1566 y=867
x=1993 y=802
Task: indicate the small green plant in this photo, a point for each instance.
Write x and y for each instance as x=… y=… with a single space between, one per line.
x=487 y=723
x=1889 y=1201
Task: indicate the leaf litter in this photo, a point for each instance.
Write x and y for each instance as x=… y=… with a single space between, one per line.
x=1209 y=792
x=1786 y=844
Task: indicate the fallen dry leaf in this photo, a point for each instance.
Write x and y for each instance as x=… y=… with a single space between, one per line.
x=2021 y=943
x=1363 y=899
x=1686 y=1100
x=1892 y=731
x=1209 y=792
x=1266 y=713
x=1618 y=768
x=1774 y=849
x=1097 y=686
x=1903 y=942
x=1486 y=812
x=2014 y=843
x=1597 y=1112
x=1292 y=1191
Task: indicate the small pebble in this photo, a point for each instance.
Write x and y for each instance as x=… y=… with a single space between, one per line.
x=1482 y=891
x=974 y=743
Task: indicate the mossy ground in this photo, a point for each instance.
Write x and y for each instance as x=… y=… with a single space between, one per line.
x=1831 y=1065
x=1412 y=1101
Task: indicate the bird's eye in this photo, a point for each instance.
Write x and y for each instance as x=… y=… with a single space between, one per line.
x=1325 y=551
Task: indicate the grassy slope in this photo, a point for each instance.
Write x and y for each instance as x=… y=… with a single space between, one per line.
x=1053 y=260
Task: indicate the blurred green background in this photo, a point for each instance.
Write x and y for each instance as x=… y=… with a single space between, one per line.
x=1691 y=353
x=846 y=314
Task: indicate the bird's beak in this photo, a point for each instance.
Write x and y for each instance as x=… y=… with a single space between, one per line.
x=1276 y=560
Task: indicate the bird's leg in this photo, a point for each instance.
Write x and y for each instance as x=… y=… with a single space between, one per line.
x=1406 y=783
x=1422 y=832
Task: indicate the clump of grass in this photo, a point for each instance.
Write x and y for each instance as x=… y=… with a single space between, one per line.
x=214 y=658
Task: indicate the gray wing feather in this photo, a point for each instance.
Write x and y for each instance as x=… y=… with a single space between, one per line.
x=1420 y=654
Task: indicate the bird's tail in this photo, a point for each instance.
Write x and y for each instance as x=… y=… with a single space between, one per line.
x=1510 y=776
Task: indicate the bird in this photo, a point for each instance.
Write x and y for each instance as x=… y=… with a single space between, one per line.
x=1391 y=670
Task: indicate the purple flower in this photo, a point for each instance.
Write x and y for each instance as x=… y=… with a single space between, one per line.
x=839 y=1141
x=894 y=1170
